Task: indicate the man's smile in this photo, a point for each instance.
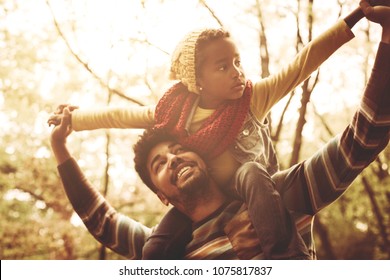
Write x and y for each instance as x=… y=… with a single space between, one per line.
x=181 y=170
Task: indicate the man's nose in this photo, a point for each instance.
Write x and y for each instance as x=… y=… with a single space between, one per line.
x=173 y=161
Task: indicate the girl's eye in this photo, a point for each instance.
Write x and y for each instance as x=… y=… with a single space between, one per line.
x=222 y=68
x=238 y=63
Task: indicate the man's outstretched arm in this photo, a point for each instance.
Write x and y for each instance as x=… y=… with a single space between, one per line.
x=115 y=231
x=312 y=185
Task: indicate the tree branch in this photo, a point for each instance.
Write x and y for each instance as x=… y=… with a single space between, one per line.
x=377 y=213
x=203 y=2
x=279 y=127
x=306 y=93
x=264 y=54
x=85 y=64
x=147 y=42
x=323 y=121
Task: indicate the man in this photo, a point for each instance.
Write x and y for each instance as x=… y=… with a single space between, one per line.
x=185 y=184
x=221 y=226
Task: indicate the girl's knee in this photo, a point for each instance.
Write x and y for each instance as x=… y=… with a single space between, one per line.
x=253 y=171
x=252 y=178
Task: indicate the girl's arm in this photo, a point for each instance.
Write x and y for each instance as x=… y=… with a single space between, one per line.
x=109 y=117
x=113 y=117
x=268 y=91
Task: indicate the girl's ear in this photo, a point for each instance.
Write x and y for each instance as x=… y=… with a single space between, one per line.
x=163 y=198
x=199 y=85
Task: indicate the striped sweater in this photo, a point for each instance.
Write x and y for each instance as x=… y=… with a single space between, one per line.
x=225 y=234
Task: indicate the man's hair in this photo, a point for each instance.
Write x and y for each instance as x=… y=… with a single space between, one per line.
x=148 y=140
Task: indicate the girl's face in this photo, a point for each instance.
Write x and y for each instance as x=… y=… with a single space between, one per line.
x=220 y=76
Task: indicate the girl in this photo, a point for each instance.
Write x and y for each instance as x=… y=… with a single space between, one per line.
x=217 y=113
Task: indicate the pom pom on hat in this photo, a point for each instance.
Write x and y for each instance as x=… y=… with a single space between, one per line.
x=183 y=61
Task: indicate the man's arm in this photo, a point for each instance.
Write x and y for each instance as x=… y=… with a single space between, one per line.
x=312 y=185
x=115 y=231
x=378 y=14
x=121 y=234
x=59 y=136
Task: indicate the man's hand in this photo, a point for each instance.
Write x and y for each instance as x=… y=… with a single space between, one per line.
x=56 y=117
x=58 y=137
x=63 y=129
x=379 y=2
x=379 y=14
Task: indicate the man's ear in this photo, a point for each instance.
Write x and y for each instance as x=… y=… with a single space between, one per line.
x=163 y=198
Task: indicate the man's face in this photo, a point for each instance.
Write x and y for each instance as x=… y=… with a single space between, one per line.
x=177 y=173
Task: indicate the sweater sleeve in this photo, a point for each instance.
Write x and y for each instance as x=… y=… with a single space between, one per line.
x=330 y=173
x=114 y=117
x=310 y=186
x=115 y=231
x=268 y=91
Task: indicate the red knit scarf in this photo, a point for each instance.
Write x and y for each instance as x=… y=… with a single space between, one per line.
x=217 y=132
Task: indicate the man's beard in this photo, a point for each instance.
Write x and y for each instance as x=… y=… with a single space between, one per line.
x=196 y=183
x=194 y=189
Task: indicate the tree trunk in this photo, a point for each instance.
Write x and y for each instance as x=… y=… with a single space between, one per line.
x=276 y=135
x=306 y=92
x=380 y=219
x=325 y=240
x=264 y=54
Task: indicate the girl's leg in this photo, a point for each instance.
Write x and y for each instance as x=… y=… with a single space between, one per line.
x=276 y=229
x=170 y=238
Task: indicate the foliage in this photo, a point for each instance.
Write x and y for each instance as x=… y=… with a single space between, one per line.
x=352 y=225
x=125 y=48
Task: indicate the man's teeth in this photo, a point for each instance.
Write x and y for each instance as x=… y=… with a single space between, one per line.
x=182 y=171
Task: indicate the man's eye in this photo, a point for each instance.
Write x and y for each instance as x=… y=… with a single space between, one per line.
x=238 y=63
x=160 y=164
x=222 y=68
x=179 y=149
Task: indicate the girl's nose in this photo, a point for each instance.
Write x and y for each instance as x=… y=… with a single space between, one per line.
x=237 y=72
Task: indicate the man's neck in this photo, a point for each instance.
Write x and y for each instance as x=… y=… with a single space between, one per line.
x=206 y=204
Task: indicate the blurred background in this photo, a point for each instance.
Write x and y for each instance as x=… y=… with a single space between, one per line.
x=97 y=53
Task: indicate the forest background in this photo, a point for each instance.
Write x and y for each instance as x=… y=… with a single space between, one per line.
x=97 y=53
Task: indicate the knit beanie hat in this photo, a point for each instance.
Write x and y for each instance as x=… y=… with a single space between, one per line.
x=183 y=61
